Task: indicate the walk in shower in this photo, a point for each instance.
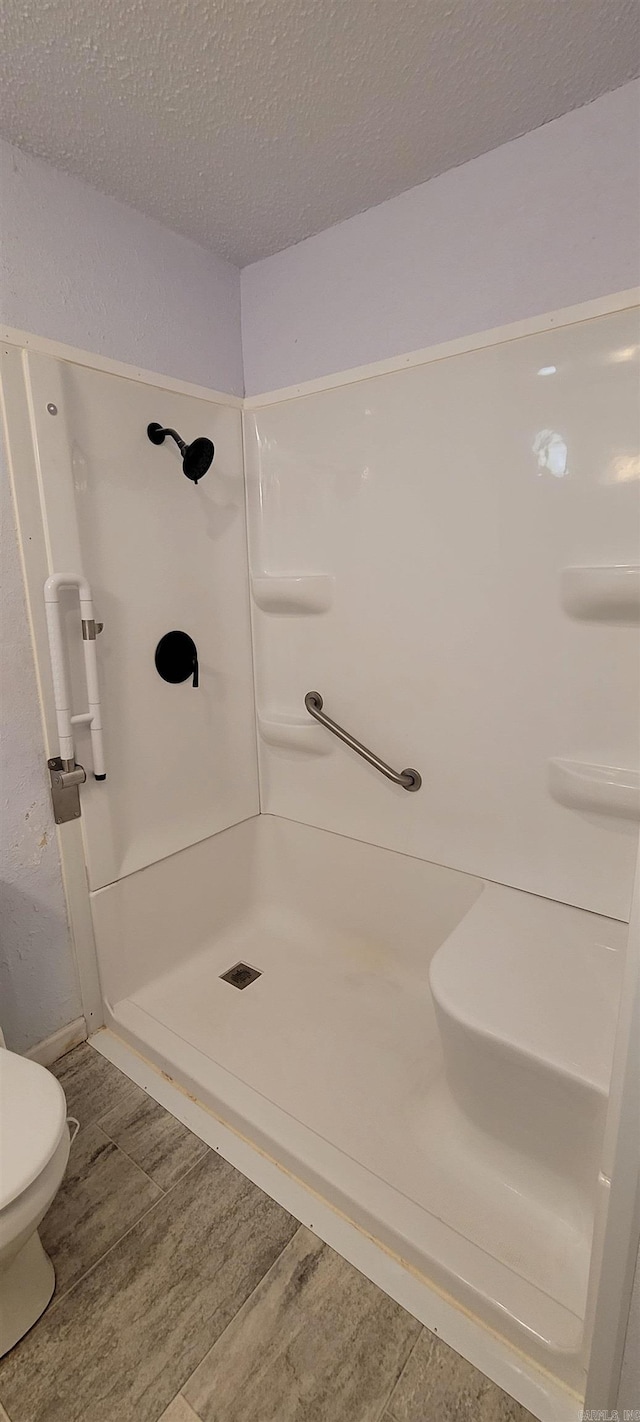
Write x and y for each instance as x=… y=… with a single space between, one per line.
x=424 y=580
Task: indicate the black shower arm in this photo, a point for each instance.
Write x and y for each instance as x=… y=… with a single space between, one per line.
x=174 y=435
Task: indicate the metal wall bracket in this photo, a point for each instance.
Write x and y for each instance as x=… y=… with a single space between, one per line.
x=66 y=778
x=91 y=629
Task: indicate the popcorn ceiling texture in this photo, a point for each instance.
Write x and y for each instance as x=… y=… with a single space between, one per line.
x=248 y=125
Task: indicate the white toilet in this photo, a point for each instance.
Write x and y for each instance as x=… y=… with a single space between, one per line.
x=34 y=1149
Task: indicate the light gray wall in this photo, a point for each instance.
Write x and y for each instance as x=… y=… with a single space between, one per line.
x=84 y=269
x=545 y=221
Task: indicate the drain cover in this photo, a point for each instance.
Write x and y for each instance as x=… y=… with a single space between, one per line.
x=241 y=975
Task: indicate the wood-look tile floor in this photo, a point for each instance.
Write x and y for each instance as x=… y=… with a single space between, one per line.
x=185 y=1294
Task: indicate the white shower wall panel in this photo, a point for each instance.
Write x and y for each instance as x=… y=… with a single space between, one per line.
x=161 y=554
x=444 y=501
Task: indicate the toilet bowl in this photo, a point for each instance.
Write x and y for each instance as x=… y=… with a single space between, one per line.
x=34 y=1149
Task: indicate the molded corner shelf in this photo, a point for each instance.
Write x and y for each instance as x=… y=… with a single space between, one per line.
x=603 y=788
x=605 y=594
x=288 y=733
x=293 y=594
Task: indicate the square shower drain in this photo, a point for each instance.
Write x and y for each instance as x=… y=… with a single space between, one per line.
x=241 y=975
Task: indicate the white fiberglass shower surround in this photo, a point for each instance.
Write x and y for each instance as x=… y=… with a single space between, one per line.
x=445 y=550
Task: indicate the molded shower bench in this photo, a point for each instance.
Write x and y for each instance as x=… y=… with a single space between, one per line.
x=526 y=993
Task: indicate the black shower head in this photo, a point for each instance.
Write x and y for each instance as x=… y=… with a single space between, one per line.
x=196 y=457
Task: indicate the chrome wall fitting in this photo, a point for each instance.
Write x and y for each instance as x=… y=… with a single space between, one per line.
x=66 y=777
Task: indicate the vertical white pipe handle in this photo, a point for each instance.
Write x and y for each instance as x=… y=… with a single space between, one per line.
x=61 y=691
x=62 y=695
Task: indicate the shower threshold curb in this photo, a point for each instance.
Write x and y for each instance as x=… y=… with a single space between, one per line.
x=535 y=1389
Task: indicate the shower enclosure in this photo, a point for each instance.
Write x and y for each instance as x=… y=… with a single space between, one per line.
x=402 y=1005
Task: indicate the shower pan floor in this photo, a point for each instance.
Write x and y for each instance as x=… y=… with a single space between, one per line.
x=331 y=1062
x=354 y=1056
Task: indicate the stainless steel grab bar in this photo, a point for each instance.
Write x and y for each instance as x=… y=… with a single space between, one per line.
x=409 y=779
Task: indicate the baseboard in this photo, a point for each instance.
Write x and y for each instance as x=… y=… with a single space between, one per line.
x=59 y=1042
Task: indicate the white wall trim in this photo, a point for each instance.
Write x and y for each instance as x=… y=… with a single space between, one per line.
x=535 y=1389
x=60 y=1042
x=28 y=341
x=532 y=326
x=614 y=1270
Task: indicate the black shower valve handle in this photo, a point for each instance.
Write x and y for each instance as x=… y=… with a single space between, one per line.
x=176 y=658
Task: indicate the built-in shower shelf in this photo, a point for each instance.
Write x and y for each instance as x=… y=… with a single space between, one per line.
x=605 y=789
x=605 y=594
x=290 y=733
x=293 y=594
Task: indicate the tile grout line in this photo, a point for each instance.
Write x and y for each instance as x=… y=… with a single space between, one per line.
x=137 y=1164
x=400 y=1376
x=164 y=1196
x=208 y=1151
x=98 y=1121
x=242 y=1305
x=178 y=1396
x=129 y=1091
x=389 y=1395
x=180 y=1393
x=163 y=1193
x=139 y=1167
x=165 y=1190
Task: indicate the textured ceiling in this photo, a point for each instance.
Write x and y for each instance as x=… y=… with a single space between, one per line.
x=250 y=124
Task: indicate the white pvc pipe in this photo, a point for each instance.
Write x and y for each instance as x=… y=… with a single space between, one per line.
x=62 y=695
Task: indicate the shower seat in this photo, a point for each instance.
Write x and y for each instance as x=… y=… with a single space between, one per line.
x=526 y=995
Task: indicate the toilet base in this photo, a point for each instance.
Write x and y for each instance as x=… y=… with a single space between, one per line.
x=25 y=1290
